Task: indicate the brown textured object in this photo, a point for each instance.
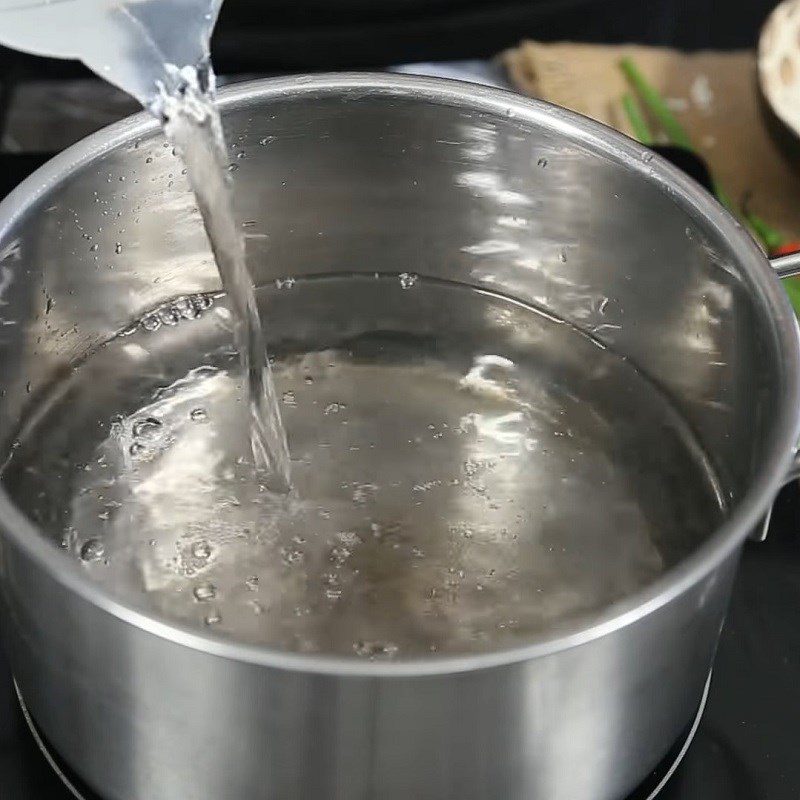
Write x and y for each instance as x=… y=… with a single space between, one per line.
x=714 y=95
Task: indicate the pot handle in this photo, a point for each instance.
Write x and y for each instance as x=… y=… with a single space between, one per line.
x=785 y=267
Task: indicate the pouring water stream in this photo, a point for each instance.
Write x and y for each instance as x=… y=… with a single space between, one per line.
x=158 y=51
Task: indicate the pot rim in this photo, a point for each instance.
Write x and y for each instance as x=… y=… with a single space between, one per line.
x=729 y=535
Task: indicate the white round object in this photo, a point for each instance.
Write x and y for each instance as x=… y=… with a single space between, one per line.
x=779 y=62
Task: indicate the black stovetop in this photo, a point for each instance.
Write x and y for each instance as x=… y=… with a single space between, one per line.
x=747 y=744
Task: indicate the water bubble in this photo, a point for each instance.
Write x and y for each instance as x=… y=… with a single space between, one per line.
x=407 y=280
x=118 y=248
x=148 y=160
x=349 y=538
x=136 y=449
x=647 y=157
x=333 y=408
x=266 y=140
x=169 y=316
x=562 y=256
x=457 y=571
x=233 y=167
x=151 y=322
x=252 y=583
x=94 y=248
x=471 y=468
x=333 y=589
x=213 y=618
x=204 y=592
x=289 y=398
x=201 y=549
x=292 y=555
x=339 y=555
x=202 y=302
x=186 y=308
x=461 y=529
x=426 y=486
x=284 y=283
x=198 y=415
x=241 y=154
x=258 y=609
x=146 y=428
x=374 y=649
x=92 y=550
x=308 y=380
x=364 y=492
x=542 y=162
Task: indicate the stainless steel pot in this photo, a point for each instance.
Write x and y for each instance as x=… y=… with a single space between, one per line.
x=471 y=184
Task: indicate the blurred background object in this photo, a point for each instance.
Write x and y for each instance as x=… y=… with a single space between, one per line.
x=779 y=63
x=283 y=36
x=712 y=105
x=262 y=37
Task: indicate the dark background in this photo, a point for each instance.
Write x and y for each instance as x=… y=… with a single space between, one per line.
x=299 y=35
